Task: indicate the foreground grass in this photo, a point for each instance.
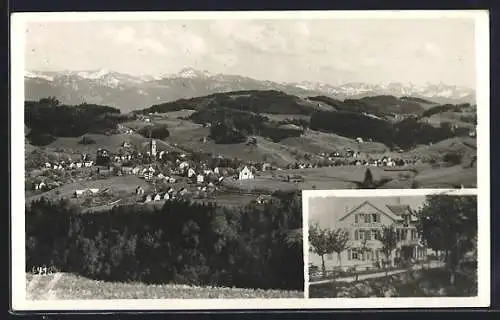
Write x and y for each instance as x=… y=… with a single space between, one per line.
x=71 y=287
x=419 y=283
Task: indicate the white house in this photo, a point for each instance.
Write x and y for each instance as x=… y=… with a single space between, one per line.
x=157 y=197
x=216 y=170
x=266 y=166
x=364 y=224
x=166 y=196
x=191 y=172
x=78 y=193
x=200 y=178
x=245 y=174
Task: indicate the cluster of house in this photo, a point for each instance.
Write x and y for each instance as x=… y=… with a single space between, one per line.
x=160 y=196
x=62 y=165
x=46 y=185
x=122 y=129
x=347 y=153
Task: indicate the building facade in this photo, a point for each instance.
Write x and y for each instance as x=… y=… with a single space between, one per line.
x=365 y=224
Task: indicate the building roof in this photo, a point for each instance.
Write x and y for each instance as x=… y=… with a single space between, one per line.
x=399 y=209
x=387 y=213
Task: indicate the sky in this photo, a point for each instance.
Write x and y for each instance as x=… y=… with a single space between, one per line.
x=327 y=210
x=334 y=51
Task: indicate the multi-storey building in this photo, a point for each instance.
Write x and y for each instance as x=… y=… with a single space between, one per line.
x=365 y=224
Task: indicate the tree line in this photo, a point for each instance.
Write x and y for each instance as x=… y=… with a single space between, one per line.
x=404 y=134
x=235 y=126
x=182 y=242
x=48 y=119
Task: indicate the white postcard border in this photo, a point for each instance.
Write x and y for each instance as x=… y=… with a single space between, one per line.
x=19 y=303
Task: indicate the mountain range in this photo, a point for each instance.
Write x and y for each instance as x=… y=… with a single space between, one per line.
x=129 y=93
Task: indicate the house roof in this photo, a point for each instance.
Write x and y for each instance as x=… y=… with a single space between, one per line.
x=399 y=209
x=388 y=214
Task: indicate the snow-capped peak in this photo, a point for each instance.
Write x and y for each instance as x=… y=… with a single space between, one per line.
x=95 y=74
x=192 y=73
x=34 y=75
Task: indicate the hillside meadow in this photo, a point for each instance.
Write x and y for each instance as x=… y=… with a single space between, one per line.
x=67 y=286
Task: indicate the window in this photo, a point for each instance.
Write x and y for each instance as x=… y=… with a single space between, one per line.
x=375 y=234
x=368 y=235
x=355 y=218
x=354 y=255
x=361 y=235
x=414 y=234
x=356 y=235
x=367 y=218
x=349 y=254
x=375 y=217
x=404 y=234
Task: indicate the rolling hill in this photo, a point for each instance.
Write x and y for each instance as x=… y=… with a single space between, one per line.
x=263 y=101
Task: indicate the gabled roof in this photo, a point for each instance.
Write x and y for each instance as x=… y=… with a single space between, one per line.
x=388 y=214
x=399 y=209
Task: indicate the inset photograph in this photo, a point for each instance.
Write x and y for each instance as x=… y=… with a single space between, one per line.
x=393 y=246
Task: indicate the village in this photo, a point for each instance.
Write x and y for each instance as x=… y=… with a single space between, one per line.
x=170 y=174
x=161 y=170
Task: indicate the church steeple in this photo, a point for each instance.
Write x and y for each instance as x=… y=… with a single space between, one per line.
x=153 y=148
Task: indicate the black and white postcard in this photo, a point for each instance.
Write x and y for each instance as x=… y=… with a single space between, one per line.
x=404 y=243
x=168 y=155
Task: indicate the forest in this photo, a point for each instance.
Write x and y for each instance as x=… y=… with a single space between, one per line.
x=405 y=134
x=182 y=242
x=67 y=121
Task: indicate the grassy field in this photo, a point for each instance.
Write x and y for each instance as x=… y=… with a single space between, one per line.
x=316 y=142
x=463 y=145
x=111 y=142
x=122 y=184
x=265 y=150
x=448 y=177
x=64 y=286
x=346 y=177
